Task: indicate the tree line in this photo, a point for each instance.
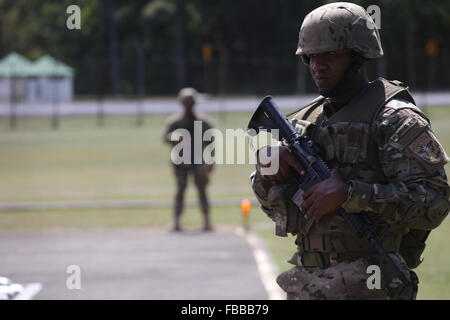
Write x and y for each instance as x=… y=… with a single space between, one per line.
x=155 y=47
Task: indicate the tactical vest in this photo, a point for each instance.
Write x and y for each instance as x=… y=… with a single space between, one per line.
x=348 y=143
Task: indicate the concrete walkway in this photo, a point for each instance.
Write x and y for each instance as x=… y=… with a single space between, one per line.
x=139 y=264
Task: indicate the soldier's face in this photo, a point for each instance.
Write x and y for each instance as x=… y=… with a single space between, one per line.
x=328 y=68
x=188 y=105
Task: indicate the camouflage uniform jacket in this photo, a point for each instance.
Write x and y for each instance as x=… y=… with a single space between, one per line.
x=187 y=122
x=399 y=180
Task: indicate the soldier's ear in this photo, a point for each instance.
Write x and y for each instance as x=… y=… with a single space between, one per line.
x=358 y=61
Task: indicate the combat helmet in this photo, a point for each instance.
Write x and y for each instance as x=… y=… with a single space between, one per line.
x=187 y=93
x=339 y=25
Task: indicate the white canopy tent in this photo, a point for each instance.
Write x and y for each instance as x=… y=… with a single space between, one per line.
x=45 y=80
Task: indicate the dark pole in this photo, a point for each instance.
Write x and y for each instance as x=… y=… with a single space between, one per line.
x=430 y=80
x=113 y=45
x=431 y=48
x=223 y=77
x=206 y=76
x=13 y=98
x=100 y=67
x=100 y=113
x=139 y=83
x=179 y=38
x=207 y=52
x=410 y=48
x=12 y=103
x=55 y=111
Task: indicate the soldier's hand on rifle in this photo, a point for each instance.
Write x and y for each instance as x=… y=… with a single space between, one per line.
x=325 y=197
x=286 y=163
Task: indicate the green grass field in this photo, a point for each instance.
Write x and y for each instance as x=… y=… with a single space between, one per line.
x=123 y=162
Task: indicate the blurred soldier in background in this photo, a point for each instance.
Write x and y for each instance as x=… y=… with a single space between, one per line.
x=385 y=161
x=200 y=171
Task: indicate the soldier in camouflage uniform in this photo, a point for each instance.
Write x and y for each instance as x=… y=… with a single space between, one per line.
x=200 y=171
x=385 y=161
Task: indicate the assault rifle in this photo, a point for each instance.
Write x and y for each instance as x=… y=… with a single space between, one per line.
x=268 y=116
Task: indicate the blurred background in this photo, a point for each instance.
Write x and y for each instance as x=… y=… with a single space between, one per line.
x=156 y=47
x=83 y=110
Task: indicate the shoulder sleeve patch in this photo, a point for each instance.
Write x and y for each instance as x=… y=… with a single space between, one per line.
x=428 y=148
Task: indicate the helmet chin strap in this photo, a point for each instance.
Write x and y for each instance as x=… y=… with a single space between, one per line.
x=353 y=68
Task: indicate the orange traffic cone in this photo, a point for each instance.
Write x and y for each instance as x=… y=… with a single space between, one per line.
x=245 y=209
